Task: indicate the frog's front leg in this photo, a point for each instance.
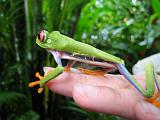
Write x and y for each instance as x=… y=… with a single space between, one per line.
x=52 y=74
x=49 y=76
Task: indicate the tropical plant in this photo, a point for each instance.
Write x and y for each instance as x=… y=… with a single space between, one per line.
x=17 y=106
x=123 y=28
x=128 y=29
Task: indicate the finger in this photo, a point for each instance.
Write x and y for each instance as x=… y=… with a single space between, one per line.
x=64 y=83
x=104 y=99
x=146 y=111
x=106 y=80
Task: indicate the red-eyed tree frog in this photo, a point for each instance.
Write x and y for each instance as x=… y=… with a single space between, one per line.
x=63 y=47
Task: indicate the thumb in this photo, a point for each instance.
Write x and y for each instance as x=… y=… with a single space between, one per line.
x=146 y=111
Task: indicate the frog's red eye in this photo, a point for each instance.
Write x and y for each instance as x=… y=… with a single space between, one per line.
x=41 y=36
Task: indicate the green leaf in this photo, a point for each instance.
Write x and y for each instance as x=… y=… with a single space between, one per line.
x=156 y=7
x=29 y=115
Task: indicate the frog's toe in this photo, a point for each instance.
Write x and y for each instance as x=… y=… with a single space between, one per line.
x=155 y=100
x=156 y=103
x=39 y=76
x=32 y=84
x=38 y=82
x=40 y=90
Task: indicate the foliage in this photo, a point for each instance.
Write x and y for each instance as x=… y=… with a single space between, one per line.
x=123 y=28
x=29 y=115
x=127 y=29
x=16 y=106
x=156 y=7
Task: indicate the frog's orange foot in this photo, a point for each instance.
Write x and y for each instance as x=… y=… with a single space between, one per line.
x=67 y=69
x=156 y=103
x=91 y=72
x=155 y=100
x=32 y=84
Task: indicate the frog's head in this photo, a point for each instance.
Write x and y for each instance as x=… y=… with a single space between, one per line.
x=49 y=40
x=43 y=39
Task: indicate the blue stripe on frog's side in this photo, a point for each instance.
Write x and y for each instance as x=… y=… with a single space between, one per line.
x=156 y=81
x=122 y=69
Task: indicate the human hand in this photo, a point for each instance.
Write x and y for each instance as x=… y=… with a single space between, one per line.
x=110 y=94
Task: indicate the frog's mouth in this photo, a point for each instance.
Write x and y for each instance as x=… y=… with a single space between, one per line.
x=58 y=55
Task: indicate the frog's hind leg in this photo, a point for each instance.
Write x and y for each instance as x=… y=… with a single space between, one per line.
x=69 y=65
x=157 y=81
x=155 y=99
x=156 y=102
x=91 y=72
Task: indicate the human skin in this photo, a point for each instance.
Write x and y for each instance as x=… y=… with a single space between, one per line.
x=110 y=94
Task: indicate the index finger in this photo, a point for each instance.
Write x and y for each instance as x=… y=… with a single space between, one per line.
x=64 y=83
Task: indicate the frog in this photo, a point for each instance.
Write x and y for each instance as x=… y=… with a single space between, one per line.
x=64 y=47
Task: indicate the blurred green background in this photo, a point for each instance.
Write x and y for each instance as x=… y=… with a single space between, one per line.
x=129 y=29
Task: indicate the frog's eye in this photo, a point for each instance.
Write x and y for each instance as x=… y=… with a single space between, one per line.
x=41 y=36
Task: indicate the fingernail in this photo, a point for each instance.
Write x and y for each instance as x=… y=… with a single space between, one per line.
x=86 y=90
x=149 y=108
x=47 y=69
